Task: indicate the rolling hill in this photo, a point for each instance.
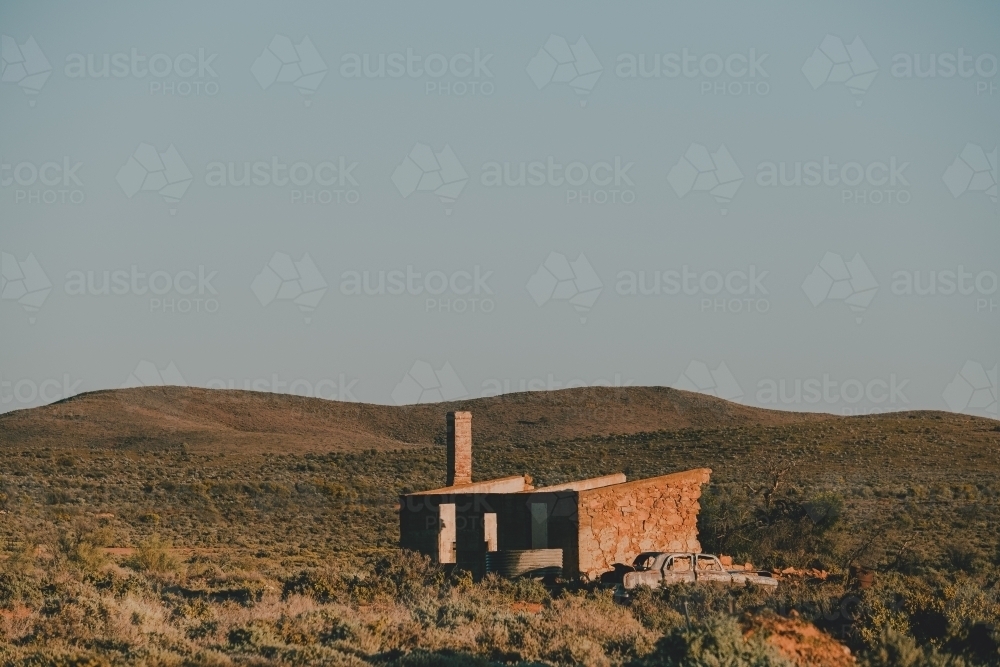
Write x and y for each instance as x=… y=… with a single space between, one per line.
x=253 y=421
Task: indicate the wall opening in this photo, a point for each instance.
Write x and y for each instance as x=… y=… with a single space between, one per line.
x=490 y=530
x=539 y=526
x=446 y=533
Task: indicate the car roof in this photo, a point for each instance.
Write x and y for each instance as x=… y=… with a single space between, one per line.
x=657 y=554
x=674 y=553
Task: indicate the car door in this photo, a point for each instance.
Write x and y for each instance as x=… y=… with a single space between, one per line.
x=710 y=569
x=647 y=572
x=678 y=569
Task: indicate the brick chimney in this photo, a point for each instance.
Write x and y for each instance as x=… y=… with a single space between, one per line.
x=459 y=448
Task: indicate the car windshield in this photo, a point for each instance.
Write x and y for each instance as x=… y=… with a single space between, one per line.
x=643 y=562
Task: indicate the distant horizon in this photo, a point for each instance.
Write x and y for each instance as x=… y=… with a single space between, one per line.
x=486 y=398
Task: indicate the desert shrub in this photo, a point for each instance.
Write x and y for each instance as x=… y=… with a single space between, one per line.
x=53 y=657
x=422 y=658
x=825 y=510
x=717 y=641
x=767 y=527
x=965 y=557
x=320 y=585
x=149 y=517
x=153 y=555
x=321 y=626
x=83 y=546
x=979 y=641
x=898 y=649
x=951 y=613
x=119 y=583
x=19 y=588
x=256 y=637
x=402 y=575
x=523 y=589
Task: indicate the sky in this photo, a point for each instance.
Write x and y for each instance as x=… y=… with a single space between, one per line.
x=790 y=205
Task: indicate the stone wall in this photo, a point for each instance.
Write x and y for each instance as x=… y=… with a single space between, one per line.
x=617 y=523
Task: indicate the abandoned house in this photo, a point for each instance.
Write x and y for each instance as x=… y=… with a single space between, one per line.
x=509 y=526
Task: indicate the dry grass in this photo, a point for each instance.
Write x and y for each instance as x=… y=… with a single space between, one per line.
x=174 y=526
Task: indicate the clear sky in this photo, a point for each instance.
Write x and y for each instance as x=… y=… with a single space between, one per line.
x=754 y=200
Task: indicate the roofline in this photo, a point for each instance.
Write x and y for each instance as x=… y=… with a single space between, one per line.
x=586 y=484
x=697 y=475
x=487 y=486
x=518 y=484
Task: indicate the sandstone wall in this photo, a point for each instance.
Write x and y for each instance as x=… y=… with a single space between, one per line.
x=617 y=523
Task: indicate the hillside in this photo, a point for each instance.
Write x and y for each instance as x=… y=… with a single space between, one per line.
x=198 y=458
x=252 y=421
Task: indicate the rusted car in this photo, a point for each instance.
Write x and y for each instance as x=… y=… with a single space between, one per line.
x=656 y=569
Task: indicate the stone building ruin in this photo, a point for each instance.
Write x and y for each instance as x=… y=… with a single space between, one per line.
x=584 y=527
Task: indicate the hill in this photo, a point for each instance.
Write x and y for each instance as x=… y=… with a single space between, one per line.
x=254 y=421
x=199 y=459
